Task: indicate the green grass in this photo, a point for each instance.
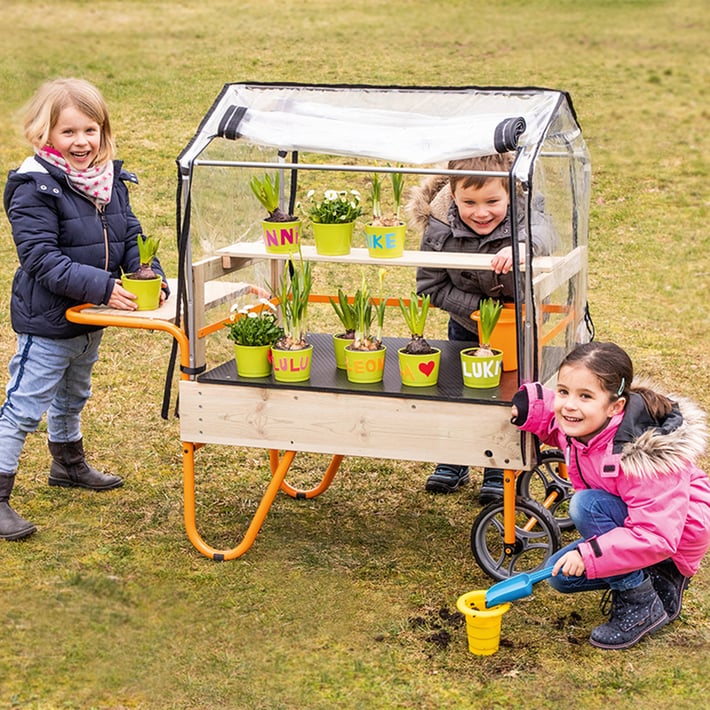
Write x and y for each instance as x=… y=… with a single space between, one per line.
x=345 y=600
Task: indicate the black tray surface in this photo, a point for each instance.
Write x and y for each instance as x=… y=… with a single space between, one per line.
x=325 y=377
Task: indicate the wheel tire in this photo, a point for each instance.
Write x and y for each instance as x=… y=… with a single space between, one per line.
x=531 y=549
x=537 y=484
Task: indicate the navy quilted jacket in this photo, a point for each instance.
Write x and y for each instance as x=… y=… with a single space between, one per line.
x=69 y=252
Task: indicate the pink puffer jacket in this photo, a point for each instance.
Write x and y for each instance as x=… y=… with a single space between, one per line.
x=651 y=466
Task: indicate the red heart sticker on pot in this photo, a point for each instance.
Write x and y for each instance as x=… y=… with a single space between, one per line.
x=426 y=367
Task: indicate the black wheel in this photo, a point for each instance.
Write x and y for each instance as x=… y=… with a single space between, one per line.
x=543 y=480
x=531 y=548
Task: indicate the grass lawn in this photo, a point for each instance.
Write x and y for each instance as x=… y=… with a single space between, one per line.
x=346 y=600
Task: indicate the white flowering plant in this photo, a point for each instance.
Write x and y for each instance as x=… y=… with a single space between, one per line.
x=335 y=207
x=255 y=324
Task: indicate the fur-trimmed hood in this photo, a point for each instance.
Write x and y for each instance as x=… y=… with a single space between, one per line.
x=431 y=198
x=651 y=448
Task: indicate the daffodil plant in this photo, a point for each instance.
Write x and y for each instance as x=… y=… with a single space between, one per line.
x=378 y=217
x=367 y=312
x=415 y=317
x=293 y=292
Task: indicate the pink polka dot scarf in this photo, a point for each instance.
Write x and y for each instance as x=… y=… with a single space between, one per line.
x=95 y=182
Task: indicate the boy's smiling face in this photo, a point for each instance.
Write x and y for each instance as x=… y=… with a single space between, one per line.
x=482 y=208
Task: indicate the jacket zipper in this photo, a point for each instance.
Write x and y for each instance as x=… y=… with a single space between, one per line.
x=104 y=225
x=576 y=460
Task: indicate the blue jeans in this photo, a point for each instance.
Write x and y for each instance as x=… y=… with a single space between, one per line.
x=46 y=375
x=594 y=512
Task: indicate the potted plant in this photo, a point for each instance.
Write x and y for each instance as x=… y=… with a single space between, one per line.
x=292 y=354
x=254 y=329
x=365 y=356
x=144 y=282
x=281 y=231
x=345 y=311
x=385 y=233
x=333 y=219
x=418 y=361
x=481 y=367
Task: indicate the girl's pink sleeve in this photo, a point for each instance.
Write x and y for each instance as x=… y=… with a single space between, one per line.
x=536 y=413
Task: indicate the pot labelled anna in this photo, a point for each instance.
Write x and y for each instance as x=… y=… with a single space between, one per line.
x=419 y=370
x=481 y=371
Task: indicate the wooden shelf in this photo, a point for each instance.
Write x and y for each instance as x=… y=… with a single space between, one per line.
x=244 y=252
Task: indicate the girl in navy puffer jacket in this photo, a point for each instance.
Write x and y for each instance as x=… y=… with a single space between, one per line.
x=74 y=231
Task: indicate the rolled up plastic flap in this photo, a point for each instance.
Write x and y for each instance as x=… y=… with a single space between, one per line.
x=388 y=135
x=507 y=134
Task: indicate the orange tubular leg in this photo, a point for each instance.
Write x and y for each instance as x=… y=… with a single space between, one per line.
x=327 y=479
x=509 y=511
x=188 y=459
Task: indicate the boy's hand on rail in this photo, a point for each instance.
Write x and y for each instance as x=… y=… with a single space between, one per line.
x=570 y=564
x=122 y=299
x=502 y=262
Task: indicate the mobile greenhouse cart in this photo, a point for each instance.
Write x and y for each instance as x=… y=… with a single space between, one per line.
x=306 y=131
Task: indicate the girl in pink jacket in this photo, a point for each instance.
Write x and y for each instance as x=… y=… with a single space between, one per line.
x=641 y=504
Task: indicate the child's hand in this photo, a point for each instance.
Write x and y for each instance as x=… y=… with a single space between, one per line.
x=122 y=299
x=502 y=262
x=163 y=292
x=570 y=564
x=513 y=413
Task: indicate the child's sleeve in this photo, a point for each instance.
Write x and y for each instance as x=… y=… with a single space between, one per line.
x=535 y=412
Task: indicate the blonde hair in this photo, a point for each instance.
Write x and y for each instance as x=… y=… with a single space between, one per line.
x=42 y=112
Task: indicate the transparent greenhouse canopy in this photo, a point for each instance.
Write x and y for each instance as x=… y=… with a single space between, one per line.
x=402 y=125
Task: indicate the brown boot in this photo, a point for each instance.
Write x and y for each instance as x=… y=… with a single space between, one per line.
x=70 y=470
x=12 y=526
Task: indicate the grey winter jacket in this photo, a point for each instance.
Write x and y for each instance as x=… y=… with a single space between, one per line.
x=459 y=291
x=69 y=251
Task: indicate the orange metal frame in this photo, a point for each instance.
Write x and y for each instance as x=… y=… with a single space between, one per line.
x=279 y=463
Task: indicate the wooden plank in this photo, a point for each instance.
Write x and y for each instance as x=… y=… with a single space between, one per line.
x=353 y=424
x=443 y=260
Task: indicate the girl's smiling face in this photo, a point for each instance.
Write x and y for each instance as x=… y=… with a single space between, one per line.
x=77 y=137
x=582 y=407
x=482 y=208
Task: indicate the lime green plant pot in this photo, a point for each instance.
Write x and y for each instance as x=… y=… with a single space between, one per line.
x=365 y=366
x=281 y=237
x=292 y=365
x=333 y=239
x=253 y=360
x=147 y=291
x=419 y=370
x=481 y=371
x=339 y=345
x=385 y=242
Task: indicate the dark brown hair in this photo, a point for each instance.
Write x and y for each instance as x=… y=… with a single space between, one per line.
x=612 y=366
x=499 y=163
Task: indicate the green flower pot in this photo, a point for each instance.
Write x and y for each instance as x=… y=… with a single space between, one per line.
x=253 y=360
x=385 y=242
x=292 y=365
x=147 y=291
x=333 y=239
x=339 y=344
x=481 y=372
x=281 y=237
x=365 y=366
x=419 y=370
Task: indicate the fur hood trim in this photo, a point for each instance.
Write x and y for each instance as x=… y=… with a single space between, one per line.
x=430 y=199
x=657 y=452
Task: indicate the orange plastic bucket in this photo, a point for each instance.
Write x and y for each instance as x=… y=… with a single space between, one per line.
x=503 y=336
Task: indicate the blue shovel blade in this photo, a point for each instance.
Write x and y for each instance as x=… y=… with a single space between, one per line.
x=515 y=587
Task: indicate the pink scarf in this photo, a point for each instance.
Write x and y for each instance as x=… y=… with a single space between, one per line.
x=96 y=182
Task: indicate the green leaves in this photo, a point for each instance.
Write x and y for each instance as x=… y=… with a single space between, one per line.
x=344 y=310
x=414 y=316
x=335 y=207
x=266 y=190
x=490 y=310
x=147 y=249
